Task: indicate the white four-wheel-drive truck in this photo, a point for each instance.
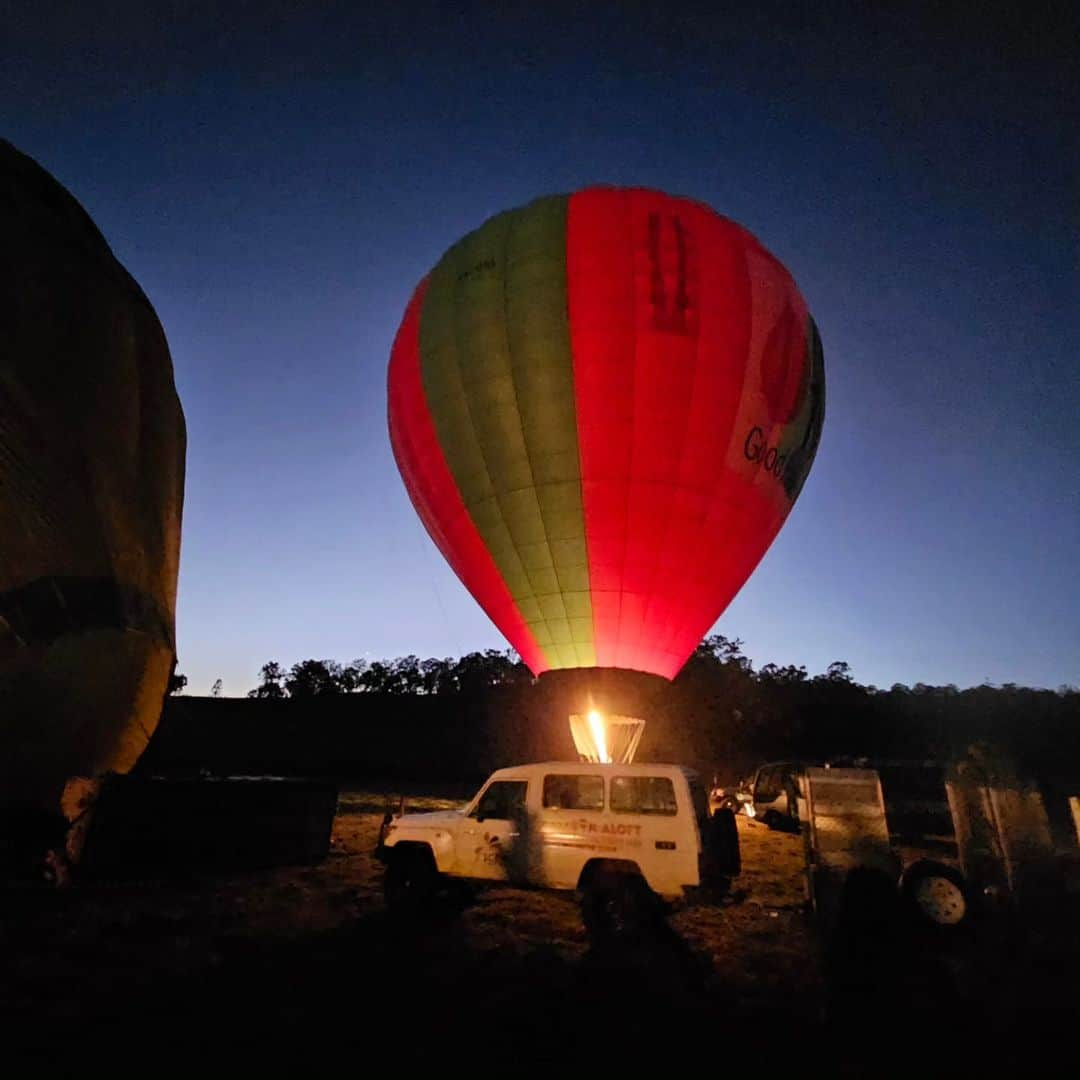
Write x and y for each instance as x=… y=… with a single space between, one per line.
x=623 y=836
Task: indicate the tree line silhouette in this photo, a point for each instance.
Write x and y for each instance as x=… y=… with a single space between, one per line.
x=472 y=673
x=720 y=714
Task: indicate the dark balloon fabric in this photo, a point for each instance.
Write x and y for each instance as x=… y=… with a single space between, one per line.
x=604 y=406
x=92 y=447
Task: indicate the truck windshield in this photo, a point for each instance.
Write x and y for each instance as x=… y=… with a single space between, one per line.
x=504 y=800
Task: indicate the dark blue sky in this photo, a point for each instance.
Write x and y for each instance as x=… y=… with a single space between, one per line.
x=280 y=177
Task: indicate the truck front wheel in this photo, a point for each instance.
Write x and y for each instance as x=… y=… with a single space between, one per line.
x=411 y=879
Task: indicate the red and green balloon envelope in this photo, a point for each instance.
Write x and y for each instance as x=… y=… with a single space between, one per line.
x=603 y=406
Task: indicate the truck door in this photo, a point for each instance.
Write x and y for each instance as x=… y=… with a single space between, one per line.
x=773 y=794
x=765 y=790
x=492 y=839
x=652 y=829
x=571 y=822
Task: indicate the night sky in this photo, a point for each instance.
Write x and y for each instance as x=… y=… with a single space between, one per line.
x=278 y=178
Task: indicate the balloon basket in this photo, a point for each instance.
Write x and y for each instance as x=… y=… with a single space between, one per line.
x=606 y=739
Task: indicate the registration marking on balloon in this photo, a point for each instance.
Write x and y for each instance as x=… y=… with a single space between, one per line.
x=760 y=454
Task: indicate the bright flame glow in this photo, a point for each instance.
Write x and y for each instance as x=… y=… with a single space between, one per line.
x=596 y=726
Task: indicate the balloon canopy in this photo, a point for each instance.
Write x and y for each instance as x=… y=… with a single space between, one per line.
x=603 y=406
x=92 y=450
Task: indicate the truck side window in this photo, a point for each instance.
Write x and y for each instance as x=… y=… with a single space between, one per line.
x=504 y=800
x=643 y=795
x=568 y=792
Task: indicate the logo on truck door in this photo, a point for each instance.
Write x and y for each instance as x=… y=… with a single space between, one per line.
x=607 y=829
x=593 y=835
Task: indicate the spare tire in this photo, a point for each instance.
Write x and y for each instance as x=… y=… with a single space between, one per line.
x=937 y=894
x=722 y=845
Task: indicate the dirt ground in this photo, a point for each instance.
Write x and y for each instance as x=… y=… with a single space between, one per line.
x=304 y=968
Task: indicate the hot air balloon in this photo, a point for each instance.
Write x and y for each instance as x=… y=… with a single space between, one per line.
x=603 y=406
x=92 y=449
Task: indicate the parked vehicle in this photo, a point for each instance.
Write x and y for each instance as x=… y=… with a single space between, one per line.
x=621 y=835
x=922 y=832
x=775 y=793
x=734 y=797
x=916 y=814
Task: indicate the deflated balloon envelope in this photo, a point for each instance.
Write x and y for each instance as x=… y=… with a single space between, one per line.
x=603 y=406
x=92 y=446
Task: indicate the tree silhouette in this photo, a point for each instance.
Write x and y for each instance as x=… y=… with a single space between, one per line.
x=272 y=678
x=314 y=678
x=839 y=671
x=351 y=677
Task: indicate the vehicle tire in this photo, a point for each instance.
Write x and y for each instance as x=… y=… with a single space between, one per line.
x=411 y=880
x=937 y=895
x=722 y=845
x=792 y=824
x=867 y=905
x=617 y=906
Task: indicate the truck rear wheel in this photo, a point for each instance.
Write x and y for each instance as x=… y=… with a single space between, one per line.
x=617 y=906
x=411 y=880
